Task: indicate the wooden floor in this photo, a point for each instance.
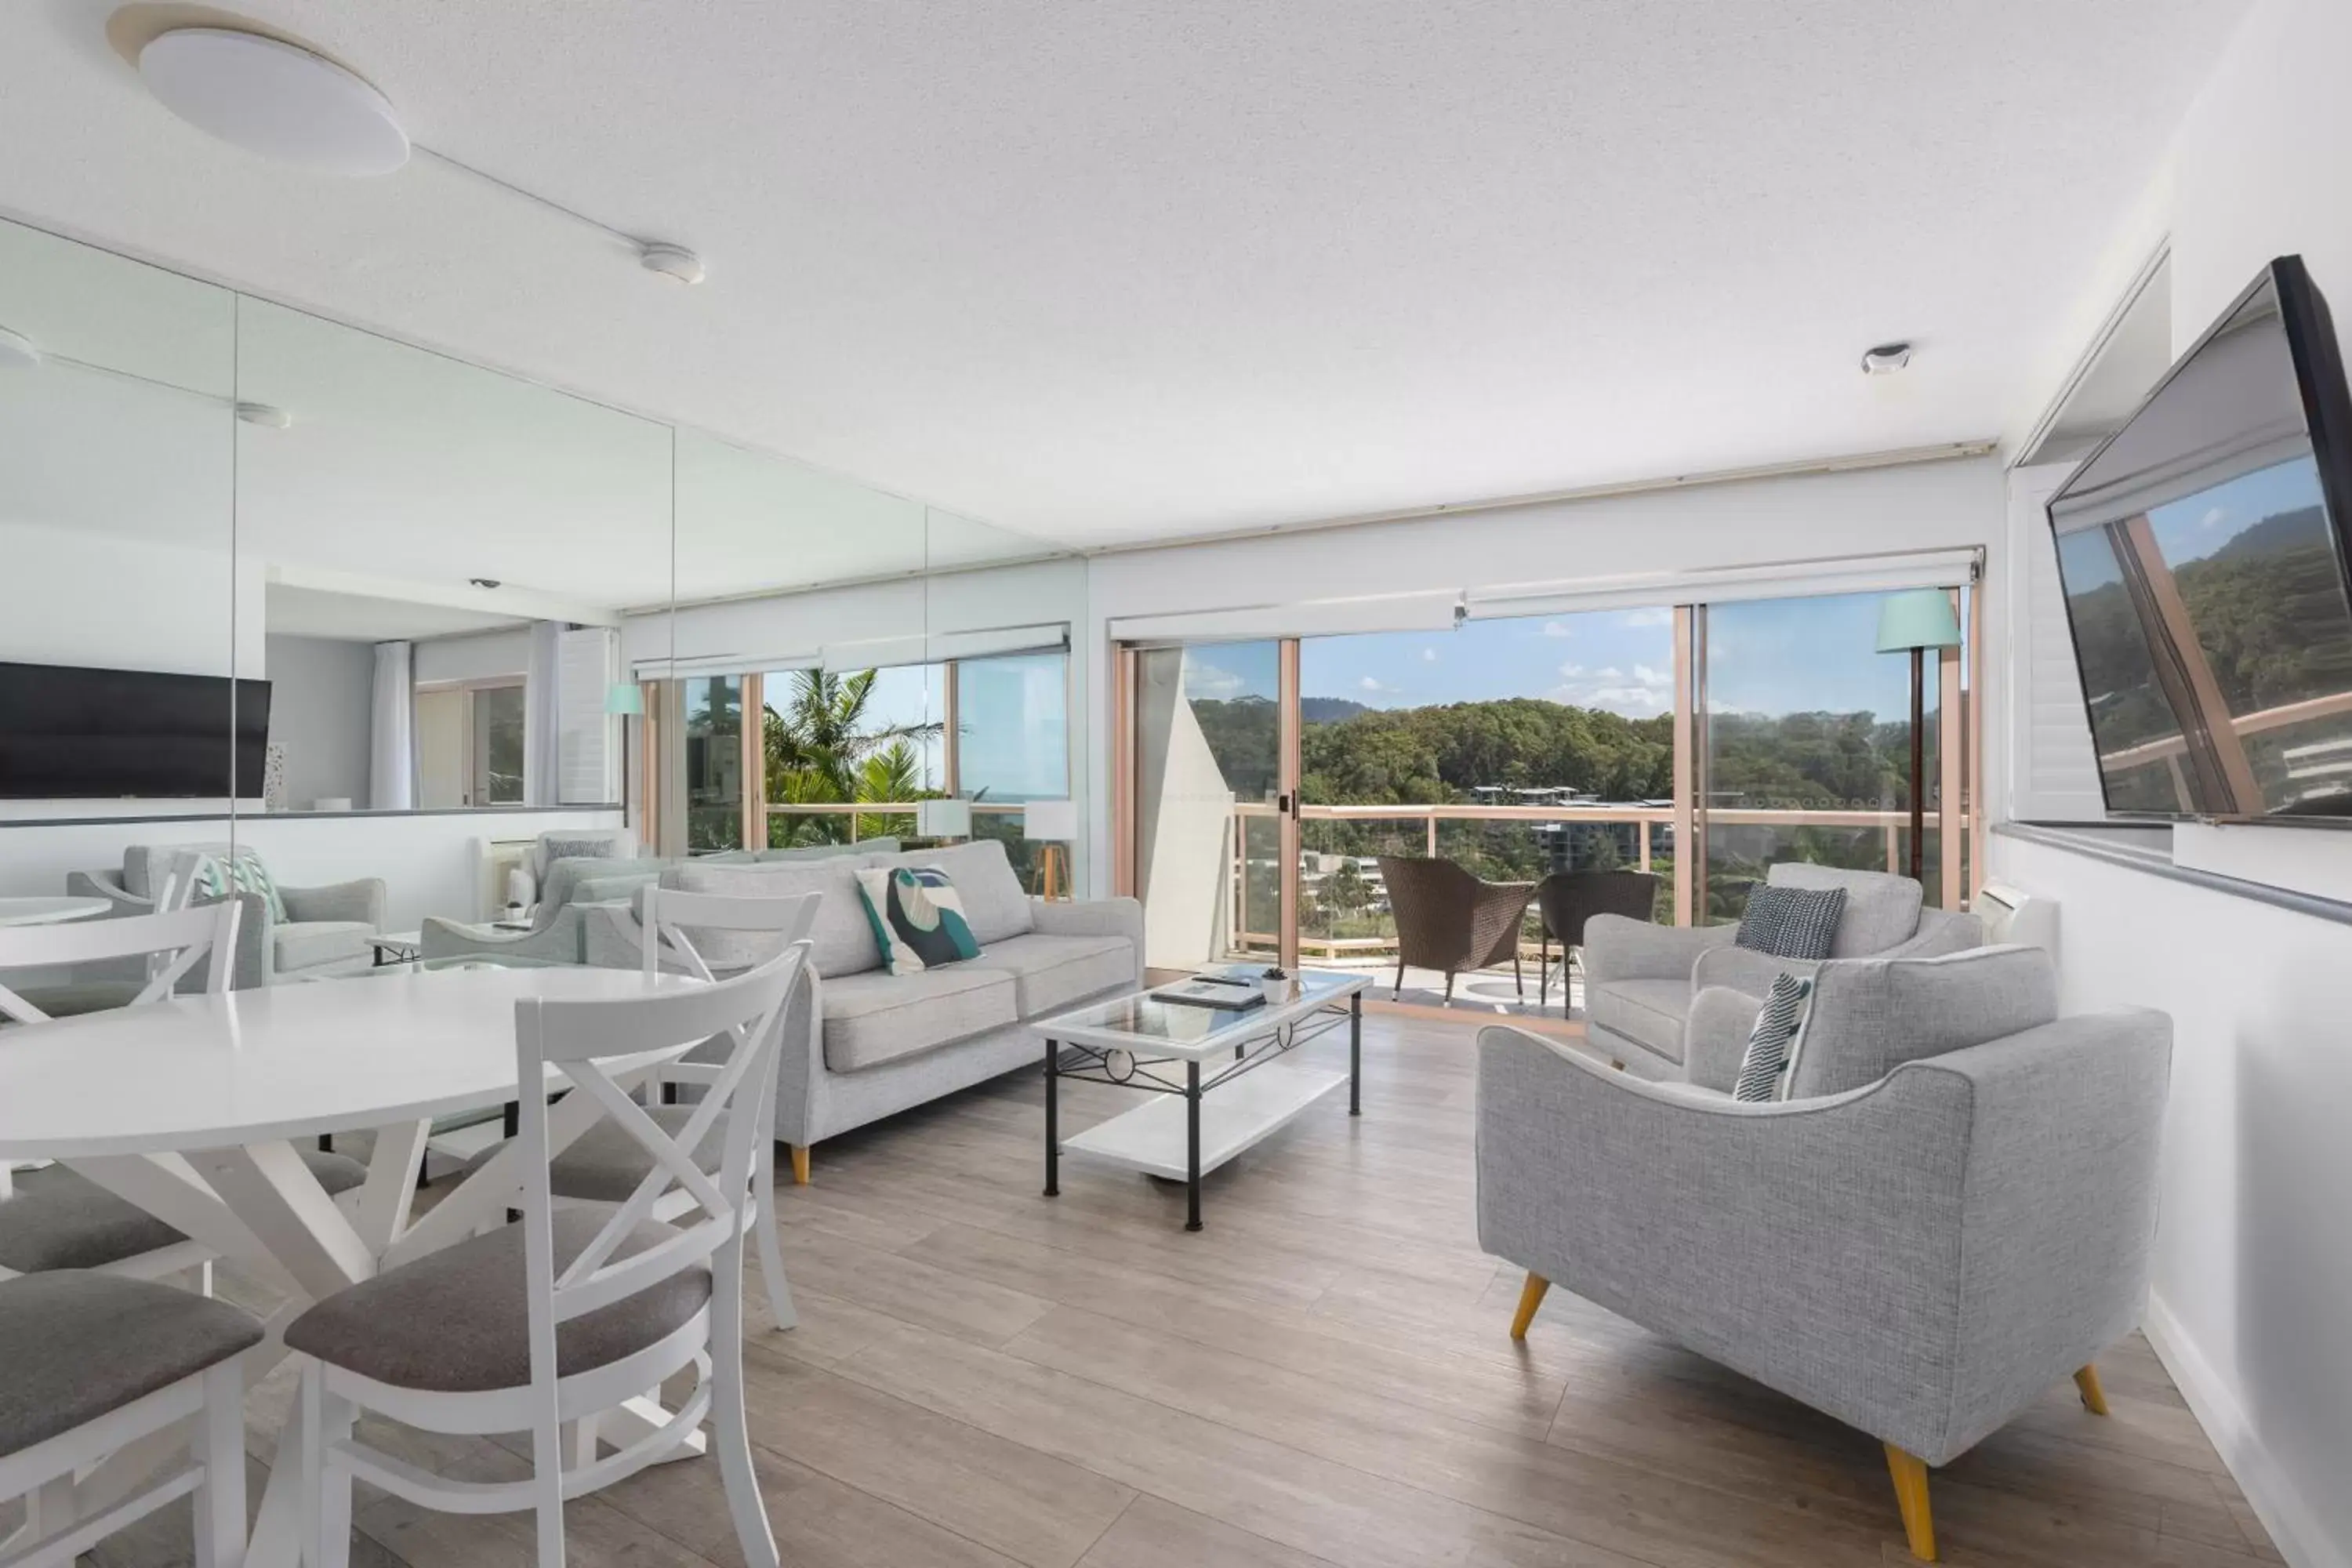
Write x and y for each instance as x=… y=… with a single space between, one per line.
x=983 y=1376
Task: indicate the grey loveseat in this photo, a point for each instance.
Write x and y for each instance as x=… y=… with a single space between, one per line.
x=326 y=931
x=1951 y=1212
x=860 y=1043
x=1641 y=980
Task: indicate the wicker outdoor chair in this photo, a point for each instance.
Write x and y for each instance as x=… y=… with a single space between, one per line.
x=1447 y=919
x=1568 y=898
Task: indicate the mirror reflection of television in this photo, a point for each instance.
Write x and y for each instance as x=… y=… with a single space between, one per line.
x=74 y=733
x=2203 y=550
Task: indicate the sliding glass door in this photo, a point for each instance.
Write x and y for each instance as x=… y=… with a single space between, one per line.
x=1210 y=800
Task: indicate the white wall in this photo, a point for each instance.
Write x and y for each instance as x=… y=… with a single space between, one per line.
x=2253 y=1303
x=104 y=601
x=1921 y=506
x=321 y=691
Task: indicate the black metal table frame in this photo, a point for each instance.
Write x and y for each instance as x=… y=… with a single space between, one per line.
x=1096 y=1066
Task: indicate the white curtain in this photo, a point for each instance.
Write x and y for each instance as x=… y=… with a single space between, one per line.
x=543 y=716
x=392 y=731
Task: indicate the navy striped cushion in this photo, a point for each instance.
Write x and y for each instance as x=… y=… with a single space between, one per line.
x=1761 y=1069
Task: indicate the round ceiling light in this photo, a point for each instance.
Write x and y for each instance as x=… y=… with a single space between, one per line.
x=274 y=99
x=17 y=351
x=267 y=415
x=670 y=261
x=1885 y=358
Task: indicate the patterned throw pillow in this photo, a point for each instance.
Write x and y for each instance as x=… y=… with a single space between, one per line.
x=1763 y=1070
x=917 y=919
x=247 y=874
x=603 y=846
x=1791 y=922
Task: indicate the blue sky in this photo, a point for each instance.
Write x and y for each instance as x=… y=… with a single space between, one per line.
x=1772 y=657
x=2190 y=530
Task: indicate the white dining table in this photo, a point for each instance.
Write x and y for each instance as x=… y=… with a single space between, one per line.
x=44 y=911
x=189 y=1108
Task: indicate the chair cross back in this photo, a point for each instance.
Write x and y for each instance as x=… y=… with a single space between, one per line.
x=172 y=943
x=670 y=916
x=576 y=1038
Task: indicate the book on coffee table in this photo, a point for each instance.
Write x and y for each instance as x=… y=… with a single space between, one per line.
x=1224 y=994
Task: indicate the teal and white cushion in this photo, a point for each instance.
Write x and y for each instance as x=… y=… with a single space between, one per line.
x=918 y=922
x=1764 y=1068
x=247 y=874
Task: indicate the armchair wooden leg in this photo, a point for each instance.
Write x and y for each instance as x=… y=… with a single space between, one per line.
x=1911 y=1496
x=2094 y=1398
x=1531 y=1296
x=799 y=1164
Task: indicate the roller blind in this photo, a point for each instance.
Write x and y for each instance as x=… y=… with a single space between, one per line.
x=1717 y=585
x=1432 y=611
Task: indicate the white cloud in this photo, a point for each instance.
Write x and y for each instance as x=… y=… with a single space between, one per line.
x=2215 y=518
x=1571 y=671
x=1660 y=617
x=1611 y=673
x=1206 y=680
x=1648 y=677
x=1429 y=655
x=1369 y=684
x=1558 y=629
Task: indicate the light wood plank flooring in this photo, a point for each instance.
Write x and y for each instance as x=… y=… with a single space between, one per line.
x=983 y=1376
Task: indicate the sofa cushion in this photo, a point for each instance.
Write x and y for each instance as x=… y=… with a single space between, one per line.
x=994 y=903
x=580 y=843
x=918 y=918
x=1052 y=973
x=1650 y=1012
x=306 y=944
x=840 y=943
x=883 y=846
x=1790 y=922
x=1871 y=1015
x=874 y=1017
x=1881 y=910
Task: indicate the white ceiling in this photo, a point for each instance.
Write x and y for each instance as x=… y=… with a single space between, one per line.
x=1105 y=272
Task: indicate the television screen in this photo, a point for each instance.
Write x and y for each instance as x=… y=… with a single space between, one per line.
x=2202 y=552
x=68 y=733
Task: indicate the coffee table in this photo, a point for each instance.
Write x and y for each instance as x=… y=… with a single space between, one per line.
x=1138 y=1041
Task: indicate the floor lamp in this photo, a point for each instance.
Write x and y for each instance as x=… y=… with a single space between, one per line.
x=1913 y=623
x=1051 y=824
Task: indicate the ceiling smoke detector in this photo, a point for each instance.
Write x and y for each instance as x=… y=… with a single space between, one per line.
x=670 y=261
x=483 y=581
x=265 y=415
x=1885 y=358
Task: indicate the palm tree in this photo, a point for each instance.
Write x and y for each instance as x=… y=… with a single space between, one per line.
x=819 y=749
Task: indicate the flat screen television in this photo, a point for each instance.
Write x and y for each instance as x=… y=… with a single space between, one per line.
x=2202 y=549
x=71 y=733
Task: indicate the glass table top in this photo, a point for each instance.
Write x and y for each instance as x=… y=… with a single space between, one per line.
x=1147 y=1018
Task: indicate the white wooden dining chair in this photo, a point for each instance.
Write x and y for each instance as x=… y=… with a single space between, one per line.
x=91 y=1363
x=569 y=1312
x=58 y=1218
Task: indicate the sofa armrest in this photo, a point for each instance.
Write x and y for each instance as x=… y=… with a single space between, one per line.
x=560 y=942
x=1617 y=948
x=360 y=900
x=107 y=884
x=1941 y=932
x=1745 y=969
x=1093 y=916
x=1714 y=1036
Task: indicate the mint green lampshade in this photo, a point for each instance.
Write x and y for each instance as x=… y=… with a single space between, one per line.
x=1920 y=619
x=624 y=699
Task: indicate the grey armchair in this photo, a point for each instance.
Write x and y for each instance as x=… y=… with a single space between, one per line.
x=326 y=929
x=1919 y=1253
x=1639 y=980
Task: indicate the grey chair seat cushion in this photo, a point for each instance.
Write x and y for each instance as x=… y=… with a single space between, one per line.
x=59 y=1218
x=876 y=1017
x=1650 y=1012
x=75 y=1345
x=72 y=998
x=1050 y=973
x=306 y=944
x=458 y=1320
x=605 y=1164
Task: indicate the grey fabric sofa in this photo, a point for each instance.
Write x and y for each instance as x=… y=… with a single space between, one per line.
x=1952 y=1211
x=326 y=929
x=1641 y=980
x=861 y=1043
x=569 y=884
